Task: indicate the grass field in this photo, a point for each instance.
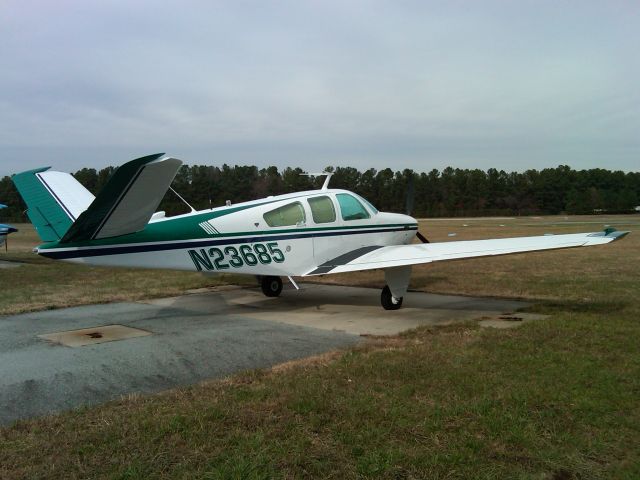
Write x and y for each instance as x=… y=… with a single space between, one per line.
x=553 y=399
x=41 y=284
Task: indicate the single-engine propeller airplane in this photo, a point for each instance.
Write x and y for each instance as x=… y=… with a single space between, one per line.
x=299 y=234
x=5 y=230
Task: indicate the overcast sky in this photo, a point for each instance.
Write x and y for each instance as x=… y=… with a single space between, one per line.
x=400 y=84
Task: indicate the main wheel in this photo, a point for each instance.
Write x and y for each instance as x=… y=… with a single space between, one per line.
x=388 y=301
x=271 y=286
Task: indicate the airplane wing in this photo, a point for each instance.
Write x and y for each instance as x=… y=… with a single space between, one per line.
x=127 y=201
x=369 y=258
x=7 y=229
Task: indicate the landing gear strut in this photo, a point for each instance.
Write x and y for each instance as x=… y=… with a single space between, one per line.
x=388 y=301
x=271 y=286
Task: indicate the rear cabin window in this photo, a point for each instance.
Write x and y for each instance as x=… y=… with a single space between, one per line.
x=290 y=214
x=322 y=209
x=351 y=208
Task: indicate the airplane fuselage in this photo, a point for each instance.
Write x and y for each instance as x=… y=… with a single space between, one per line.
x=282 y=235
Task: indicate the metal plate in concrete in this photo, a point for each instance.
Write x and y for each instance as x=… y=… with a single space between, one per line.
x=94 y=335
x=511 y=320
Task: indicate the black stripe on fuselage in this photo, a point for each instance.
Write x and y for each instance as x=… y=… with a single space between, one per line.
x=343 y=259
x=120 y=250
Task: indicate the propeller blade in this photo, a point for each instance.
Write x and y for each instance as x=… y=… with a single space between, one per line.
x=422 y=238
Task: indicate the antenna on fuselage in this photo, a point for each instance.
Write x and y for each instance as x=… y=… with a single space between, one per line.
x=325 y=185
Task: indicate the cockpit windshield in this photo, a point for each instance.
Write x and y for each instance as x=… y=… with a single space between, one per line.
x=368 y=204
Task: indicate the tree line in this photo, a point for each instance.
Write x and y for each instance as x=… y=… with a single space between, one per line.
x=447 y=193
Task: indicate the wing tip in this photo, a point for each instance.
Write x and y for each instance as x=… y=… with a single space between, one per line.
x=618 y=235
x=611 y=233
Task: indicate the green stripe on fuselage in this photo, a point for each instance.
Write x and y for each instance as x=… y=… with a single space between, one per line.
x=198 y=234
x=181 y=228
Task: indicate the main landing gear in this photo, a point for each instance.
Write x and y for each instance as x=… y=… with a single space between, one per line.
x=271 y=286
x=397 y=280
x=388 y=301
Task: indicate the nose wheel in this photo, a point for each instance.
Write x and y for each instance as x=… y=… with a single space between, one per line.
x=388 y=301
x=271 y=286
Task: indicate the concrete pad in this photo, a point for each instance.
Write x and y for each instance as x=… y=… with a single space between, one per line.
x=346 y=309
x=210 y=334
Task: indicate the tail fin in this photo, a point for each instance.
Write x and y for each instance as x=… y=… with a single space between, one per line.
x=128 y=200
x=54 y=200
x=62 y=210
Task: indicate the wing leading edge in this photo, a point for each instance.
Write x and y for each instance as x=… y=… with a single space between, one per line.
x=404 y=255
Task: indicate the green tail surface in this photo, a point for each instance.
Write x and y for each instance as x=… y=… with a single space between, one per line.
x=62 y=210
x=50 y=220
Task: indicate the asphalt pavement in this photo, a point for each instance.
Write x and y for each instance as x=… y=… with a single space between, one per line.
x=178 y=341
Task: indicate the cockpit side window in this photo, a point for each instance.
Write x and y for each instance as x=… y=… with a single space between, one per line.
x=289 y=214
x=322 y=209
x=351 y=208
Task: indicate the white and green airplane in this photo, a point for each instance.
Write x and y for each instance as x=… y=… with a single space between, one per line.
x=300 y=234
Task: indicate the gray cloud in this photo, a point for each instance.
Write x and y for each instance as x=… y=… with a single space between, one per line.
x=420 y=85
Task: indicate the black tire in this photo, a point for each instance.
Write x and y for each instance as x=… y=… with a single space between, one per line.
x=387 y=301
x=271 y=286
